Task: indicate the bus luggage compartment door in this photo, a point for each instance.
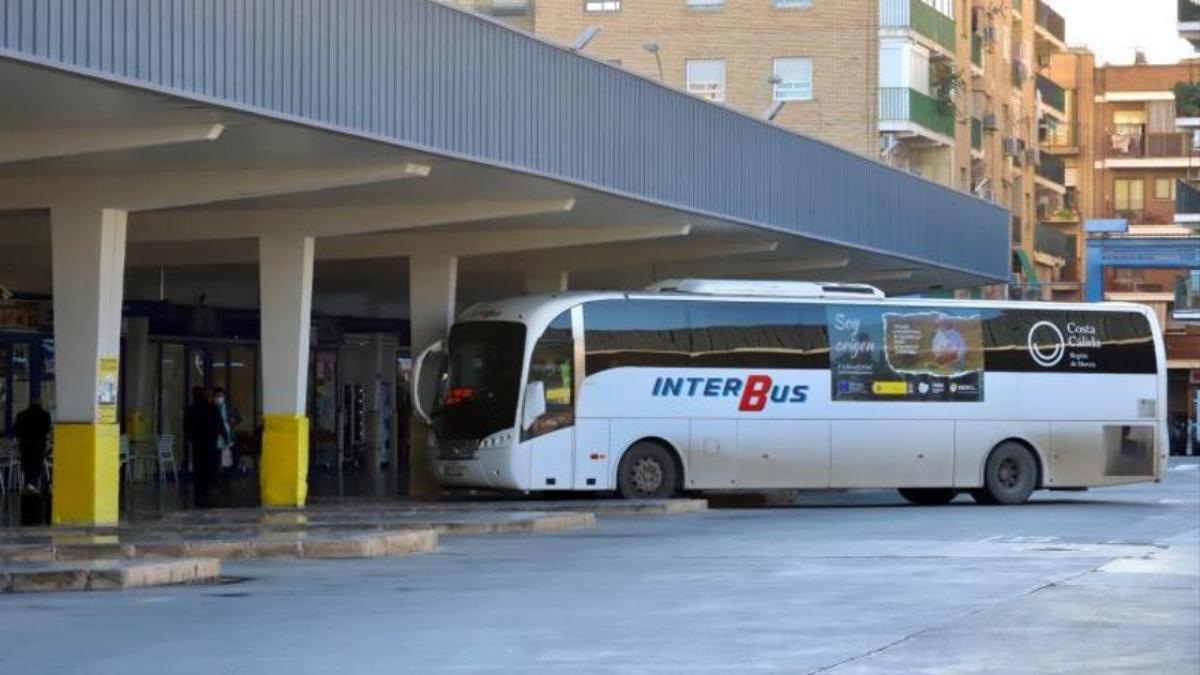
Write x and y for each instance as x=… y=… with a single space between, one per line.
x=783 y=453
x=892 y=453
x=712 y=454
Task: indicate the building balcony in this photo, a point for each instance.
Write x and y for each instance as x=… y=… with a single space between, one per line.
x=1187 y=304
x=1053 y=96
x=1050 y=25
x=1051 y=241
x=918 y=17
x=1189 y=21
x=907 y=110
x=1152 y=215
x=1146 y=150
x=1052 y=169
x=1062 y=139
x=976 y=134
x=1187 y=204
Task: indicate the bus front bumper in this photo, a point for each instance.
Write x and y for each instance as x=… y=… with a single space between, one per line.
x=493 y=468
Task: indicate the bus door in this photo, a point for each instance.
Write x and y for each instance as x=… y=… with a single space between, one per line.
x=548 y=424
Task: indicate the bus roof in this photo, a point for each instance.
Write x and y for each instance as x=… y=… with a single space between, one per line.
x=540 y=310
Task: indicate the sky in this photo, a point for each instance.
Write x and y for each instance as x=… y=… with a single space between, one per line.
x=1113 y=29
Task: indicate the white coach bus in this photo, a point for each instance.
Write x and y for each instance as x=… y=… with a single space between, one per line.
x=719 y=385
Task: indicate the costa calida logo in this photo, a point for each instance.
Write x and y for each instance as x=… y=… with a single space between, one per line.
x=753 y=392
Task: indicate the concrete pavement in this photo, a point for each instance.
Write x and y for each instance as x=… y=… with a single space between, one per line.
x=1104 y=581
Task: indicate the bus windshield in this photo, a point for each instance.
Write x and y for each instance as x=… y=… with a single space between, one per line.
x=483 y=380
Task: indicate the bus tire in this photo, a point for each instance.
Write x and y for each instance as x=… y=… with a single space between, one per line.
x=928 y=496
x=1009 y=477
x=647 y=471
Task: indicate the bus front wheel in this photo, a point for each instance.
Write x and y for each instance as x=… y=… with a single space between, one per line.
x=1009 y=476
x=646 y=472
x=928 y=496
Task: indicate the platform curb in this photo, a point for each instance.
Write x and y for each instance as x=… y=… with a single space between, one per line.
x=382 y=543
x=111 y=575
x=557 y=522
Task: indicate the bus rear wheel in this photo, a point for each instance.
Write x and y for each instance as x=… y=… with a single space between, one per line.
x=928 y=496
x=1009 y=476
x=647 y=471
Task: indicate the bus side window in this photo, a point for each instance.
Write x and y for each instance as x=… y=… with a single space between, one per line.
x=553 y=363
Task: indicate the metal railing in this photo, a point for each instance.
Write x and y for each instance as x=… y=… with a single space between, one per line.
x=919 y=16
x=1051 y=168
x=1187 y=297
x=1052 y=94
x=1144 y=145
x=1139 y=216
x=901 y=104
x=1052 y=21
x=1063 y=135
x=1049 y=239
x=1187 y=199
x=1188 y=11
x=976 y=133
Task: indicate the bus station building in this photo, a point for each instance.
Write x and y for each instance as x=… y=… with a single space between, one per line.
x=286 y=200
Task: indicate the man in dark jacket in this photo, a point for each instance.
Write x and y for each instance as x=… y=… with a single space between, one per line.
x=32 y=430
x=202 y=426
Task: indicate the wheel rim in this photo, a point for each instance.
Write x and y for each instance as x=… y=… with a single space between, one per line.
x=1008 y=474
x=646 y=475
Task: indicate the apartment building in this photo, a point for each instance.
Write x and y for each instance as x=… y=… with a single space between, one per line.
x=1071 y=139
x=957 y=91
x=1141 y=205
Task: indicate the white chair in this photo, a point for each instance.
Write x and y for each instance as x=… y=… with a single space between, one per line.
x=6 y=465
x=11 y=475
x=165 y=457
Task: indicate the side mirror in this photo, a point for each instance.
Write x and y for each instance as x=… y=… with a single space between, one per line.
x=535 y=403
x=426 y=373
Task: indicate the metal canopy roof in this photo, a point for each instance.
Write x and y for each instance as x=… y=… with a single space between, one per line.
x=434 y=80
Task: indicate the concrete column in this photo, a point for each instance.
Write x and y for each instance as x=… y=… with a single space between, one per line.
x=545 y=280
x=285 y=276
x=432 y=283
x=88 y=258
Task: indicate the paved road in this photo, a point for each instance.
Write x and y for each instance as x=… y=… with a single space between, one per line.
x=1105 y=581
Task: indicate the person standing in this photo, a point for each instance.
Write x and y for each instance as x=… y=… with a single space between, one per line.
x=203 y=428
x=32 y=430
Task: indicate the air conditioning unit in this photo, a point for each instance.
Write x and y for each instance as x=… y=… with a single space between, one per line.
x=989 y=34
x=1013 y=146
x=989 y=122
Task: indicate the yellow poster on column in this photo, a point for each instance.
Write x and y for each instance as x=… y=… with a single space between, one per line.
x=106 y=390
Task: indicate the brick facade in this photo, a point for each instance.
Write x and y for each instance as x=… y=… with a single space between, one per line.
x=841 y=37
